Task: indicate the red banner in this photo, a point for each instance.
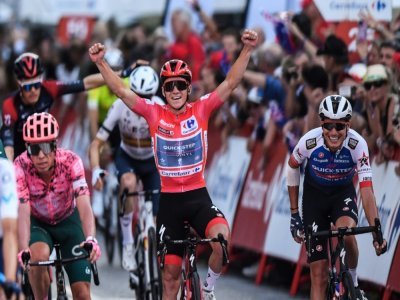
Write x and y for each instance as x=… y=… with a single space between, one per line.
x=251 y=221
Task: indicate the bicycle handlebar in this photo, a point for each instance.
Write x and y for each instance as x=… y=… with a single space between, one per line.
x=194 y=241
x=343 y=231
x=142 y=193
x=26 y=256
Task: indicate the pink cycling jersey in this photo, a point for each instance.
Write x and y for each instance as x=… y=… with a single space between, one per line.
x=180 y=141
x=55 y=201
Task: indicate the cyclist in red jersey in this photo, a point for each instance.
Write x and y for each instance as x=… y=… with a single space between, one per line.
x=179 y=138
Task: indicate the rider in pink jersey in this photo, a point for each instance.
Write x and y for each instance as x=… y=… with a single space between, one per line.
x=179 y=136
x=54 y=206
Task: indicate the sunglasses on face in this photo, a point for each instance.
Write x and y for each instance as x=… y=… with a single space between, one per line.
x=46 y=148
x=27 y=87
x=179 y=84
x=375 y=84
x=337 y=126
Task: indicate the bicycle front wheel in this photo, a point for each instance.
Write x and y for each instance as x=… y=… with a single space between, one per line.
x=155 y=275
x=195 y=290
x=349 y=291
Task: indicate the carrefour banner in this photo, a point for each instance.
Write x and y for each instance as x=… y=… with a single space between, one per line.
x=338 y=10
x=278 y=229
x=387 y=193
x=226 y=176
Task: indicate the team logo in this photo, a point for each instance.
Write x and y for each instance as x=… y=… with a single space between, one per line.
x=189 y=125
x=321 y=155
x=311 y=143
x=363 y=160
x=165 y=131
x=352 y=143
x=346 y=208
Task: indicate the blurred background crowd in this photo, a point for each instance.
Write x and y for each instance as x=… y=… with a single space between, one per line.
x=281 y=90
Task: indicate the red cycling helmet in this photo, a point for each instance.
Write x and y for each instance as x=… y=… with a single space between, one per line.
x=40 y=127
x=175 y=68
x=27 y=66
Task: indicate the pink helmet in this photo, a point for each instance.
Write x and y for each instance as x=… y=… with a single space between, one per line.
x=40 y=127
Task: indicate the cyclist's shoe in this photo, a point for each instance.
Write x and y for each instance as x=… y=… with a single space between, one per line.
x=128 y=258
x=360 y=294
x=208 y=295
x=133 y=279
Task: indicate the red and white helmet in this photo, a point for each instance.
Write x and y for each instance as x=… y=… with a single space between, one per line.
x=40 y=127
x=175 y=68
x=27 y=66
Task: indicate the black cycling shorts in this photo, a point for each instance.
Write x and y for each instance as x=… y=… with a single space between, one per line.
x=194 y=207
x=320 y=209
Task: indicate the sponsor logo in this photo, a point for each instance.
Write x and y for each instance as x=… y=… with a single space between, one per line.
x=205 y=97
x=162 y=122
x=319 y=248
x=165 y=131
x=321 y=155
x=311 y=143
x=352 y=143
x=347 y=201
x=181 y=173
x=379 y=5
x=189 y=125
x=87 y=270
x=346 y=208
x=364 y=160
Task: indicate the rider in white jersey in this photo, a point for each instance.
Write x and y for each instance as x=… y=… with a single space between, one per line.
x=9 y=213
x=333 y=153
x=135 y=158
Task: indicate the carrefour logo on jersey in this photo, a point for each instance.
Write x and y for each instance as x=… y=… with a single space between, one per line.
x=189 y=125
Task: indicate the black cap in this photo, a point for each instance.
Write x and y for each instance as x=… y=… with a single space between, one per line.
x=334 y=46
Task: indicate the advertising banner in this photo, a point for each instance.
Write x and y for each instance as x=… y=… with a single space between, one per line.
x=255 y=205
x=339 y=10
x=279 y=241
x=226 y=176
x=387 y=193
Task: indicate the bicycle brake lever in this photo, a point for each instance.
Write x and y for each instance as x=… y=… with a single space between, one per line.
x=224 y=243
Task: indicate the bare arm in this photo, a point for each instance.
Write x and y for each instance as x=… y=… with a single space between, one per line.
x=255 y=78
x=10 y=247
x=369 y=204
x=9 y=152
x=24 y=225
x=114 y=82
x=86 y=215
x=235 y=74
x=94 y=152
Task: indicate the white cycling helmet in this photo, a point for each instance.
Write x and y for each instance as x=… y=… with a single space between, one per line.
x=335 y=107
x=144 y=81
x=114 y=58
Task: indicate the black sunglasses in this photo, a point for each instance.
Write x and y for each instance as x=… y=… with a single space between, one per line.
x=29 y=86
x=179 y=84
x=46 y=148
x=375 y=84
x=337 y=126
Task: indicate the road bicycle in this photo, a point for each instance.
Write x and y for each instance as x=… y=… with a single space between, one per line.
x=190 y=284
x=340 y=282
x=58 y=263
x=144 y=231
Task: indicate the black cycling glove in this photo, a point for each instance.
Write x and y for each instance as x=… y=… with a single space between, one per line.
x=296 y=224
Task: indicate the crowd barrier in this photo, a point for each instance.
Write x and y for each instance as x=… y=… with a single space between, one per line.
x=254 y=198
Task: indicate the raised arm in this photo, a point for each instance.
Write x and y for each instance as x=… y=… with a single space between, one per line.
x=235 y=74
x=114 y=82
